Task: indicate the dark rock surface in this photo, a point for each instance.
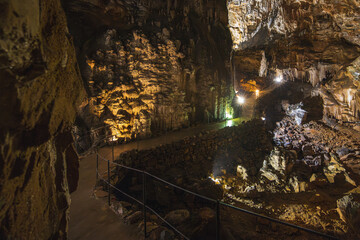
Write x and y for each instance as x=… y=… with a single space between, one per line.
x=40 y=87
x=299 y=180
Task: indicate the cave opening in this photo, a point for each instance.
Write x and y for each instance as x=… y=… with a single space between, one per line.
x=193 y=119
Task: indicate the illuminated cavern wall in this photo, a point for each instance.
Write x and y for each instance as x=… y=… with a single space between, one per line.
x=303 y=41
x=151 y=66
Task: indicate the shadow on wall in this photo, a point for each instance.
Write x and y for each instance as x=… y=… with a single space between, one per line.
x=270 y=105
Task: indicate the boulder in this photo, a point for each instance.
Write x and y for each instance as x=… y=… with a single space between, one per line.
x=178 y=216
x=318 y=180
x=206 y=213
x=348 y=208
x=241 y=172
x=342 y=151
x=277 y=160
x=335 y=172
x=161 y=233
x=294 y=183
x=269 y=175
x=134 y=218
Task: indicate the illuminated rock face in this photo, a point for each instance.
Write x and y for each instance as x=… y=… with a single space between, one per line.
x=160 y=66
x=313 y=41
x=135 y=85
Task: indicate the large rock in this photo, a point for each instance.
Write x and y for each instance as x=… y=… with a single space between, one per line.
x=278 y=160
x=241 y=172
x=40 y=89
x=348 y=208
x=178 y=216
x=336 y=172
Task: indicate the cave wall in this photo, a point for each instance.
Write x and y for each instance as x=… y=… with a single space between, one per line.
x=40 y=87
x=152 y=66
x=303 y=41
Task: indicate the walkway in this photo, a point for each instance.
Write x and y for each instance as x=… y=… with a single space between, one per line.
x=91 y=218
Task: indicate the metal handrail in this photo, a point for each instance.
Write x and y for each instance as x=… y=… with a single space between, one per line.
x=116 y=164
x=169 y=224
x=218 y=203
x=129 y=196
x=159 y=179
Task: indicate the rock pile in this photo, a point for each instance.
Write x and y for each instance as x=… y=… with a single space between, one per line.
x=189 y=163
x=307 y=165
x=319 y=146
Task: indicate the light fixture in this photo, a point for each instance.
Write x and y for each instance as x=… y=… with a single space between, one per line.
x=113 y=138
x=278 y=79
x=350 y=97
x=228 y=115
x=240 y=99
x=257 y=92
x=262 y=118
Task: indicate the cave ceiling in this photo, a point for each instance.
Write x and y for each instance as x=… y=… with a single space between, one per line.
x=303 y=41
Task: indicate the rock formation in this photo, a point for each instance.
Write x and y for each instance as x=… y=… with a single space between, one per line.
x=302 y=41
x=147 y=67
x=40 y=87
x=153 y=66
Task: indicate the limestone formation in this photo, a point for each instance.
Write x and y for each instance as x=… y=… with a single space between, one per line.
x=312 y=41
x=162 y=66
x=40 y=88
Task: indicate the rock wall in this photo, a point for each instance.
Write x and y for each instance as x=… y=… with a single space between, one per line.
x=311 y=41
x=153 y=66
x=39 y=88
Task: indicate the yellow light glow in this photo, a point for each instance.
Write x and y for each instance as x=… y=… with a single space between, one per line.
x=257 y=93
x=215 y=180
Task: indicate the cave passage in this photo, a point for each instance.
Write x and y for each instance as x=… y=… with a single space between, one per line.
x=230 y=119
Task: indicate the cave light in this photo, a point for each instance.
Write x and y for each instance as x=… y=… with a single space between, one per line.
x=350 y=97
x=262 y=118
x=215 y=180
x=257 y=93
x=229 y=123
x=278 y=79
x=240 y=100
x=228 y=115
x=113 y=139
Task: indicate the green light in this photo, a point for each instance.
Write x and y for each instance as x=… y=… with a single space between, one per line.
x=228 y=115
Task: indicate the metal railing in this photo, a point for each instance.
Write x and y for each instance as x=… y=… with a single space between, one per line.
x=217 y=202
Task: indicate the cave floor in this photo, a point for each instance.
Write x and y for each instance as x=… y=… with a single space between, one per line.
x=90 y=218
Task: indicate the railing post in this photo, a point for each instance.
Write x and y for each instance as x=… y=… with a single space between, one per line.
x=108 y=171
x=112 y=148
x=97 y=165
x=217 y=220
x=144 y=203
